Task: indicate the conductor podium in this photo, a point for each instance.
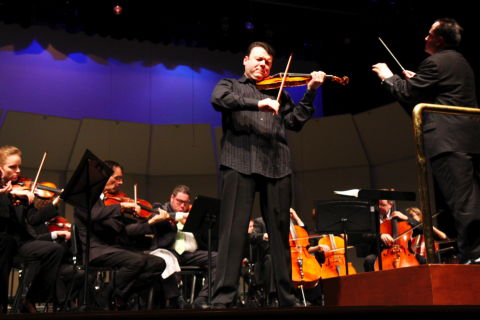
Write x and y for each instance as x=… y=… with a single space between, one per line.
x=424 y=285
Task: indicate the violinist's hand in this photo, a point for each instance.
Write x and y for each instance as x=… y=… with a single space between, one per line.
x=265 y=237
x=161 y=216
x=64 y=234
x=130 y=207
x=6 y=188
x=382 y=71
x=386 y=239
x=324 y=247
x=399 y=215
x=409 y=74
x=269 y=105
x=318 y=77
x=24 y=194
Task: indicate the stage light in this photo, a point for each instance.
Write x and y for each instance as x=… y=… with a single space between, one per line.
x=117 y=10
x=249 y=25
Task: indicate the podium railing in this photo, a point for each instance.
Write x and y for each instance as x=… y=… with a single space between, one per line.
x=422 y=176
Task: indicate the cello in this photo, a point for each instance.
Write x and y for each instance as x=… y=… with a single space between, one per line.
x=305 y=268
x=399 y=254
x=334 y=264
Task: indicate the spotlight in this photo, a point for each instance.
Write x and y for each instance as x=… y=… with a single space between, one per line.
x=117 y=10
x=249 y=25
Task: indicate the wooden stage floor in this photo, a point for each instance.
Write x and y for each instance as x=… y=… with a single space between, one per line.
x=423 y=292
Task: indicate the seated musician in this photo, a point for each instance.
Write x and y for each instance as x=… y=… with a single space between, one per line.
x=40 y=259
x=418 y=243
x=386 y=212
x=188 y=248
x=110 y=232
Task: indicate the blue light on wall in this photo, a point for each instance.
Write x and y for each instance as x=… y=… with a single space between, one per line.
x=76 y=86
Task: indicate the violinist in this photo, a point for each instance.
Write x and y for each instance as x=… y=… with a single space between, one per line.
x=189 y=249
x=387 y=213
x=110 y=231
x=417 y=239
x=255 y=157
x=40 y=259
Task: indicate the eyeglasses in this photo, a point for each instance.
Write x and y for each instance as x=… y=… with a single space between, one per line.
x=182 y=201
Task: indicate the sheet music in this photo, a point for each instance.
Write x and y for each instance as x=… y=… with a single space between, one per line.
x=348 y=193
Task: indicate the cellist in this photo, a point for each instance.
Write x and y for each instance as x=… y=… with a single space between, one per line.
x=387 y=213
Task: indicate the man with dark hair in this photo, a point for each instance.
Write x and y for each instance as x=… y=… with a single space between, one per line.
x=451 y=142
x=255 y=157
x=135 y=270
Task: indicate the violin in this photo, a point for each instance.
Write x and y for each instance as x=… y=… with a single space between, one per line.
x=306 y=270
x=44 y=190
x=146 y=209
x=59 y=224
x=400 y=254
x=334 y=265
x=295 y=80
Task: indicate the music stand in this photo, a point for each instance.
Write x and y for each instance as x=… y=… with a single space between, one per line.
x=203 y=215
x=82 y=191
x=344 y=217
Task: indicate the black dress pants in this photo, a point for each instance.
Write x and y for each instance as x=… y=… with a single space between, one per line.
x=135 y=270
x=458 y=178
x=42 y=260
x=8 y=247
x=238 y=194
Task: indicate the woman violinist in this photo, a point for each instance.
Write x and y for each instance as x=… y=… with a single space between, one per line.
x=418 y=240
x=18 y=221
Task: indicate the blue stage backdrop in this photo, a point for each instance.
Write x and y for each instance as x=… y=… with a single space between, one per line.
x=39 y=77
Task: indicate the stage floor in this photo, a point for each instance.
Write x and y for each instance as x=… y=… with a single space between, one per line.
x=320 y=313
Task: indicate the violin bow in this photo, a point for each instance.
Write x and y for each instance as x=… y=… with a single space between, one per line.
x=35 y=182
x=403 y=69
x=135 y=188
x=284 y=78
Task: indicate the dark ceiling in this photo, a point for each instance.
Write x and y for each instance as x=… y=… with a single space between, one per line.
x=341 y=36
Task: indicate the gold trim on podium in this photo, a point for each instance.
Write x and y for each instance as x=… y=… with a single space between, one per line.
x=422 y=176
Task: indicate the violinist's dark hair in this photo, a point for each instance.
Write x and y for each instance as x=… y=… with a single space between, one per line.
x=112 y=164
x=181 y=188
x=450 y=30
x=261 y=44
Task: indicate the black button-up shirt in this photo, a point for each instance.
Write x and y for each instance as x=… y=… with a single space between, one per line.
x=254 y=142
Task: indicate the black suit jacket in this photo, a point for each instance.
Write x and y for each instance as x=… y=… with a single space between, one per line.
x=444 y=78
x=110 y=230
x=20 y=221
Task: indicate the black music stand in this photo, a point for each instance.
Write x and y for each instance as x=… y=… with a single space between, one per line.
x=82 y=191
x=344 y=217
x=203 y=216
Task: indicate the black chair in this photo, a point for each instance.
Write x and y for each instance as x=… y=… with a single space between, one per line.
x=99 y=277
x=194 y=274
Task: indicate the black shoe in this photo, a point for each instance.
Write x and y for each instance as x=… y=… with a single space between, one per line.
x=201 y=303
x=176 y=303
x=27 y=307
x=219 y=306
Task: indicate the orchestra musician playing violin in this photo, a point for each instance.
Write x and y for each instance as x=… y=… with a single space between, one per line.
x=387 y=214
x=255 y=157
x=40 y=259
x=189 y=249
x=111 y=229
